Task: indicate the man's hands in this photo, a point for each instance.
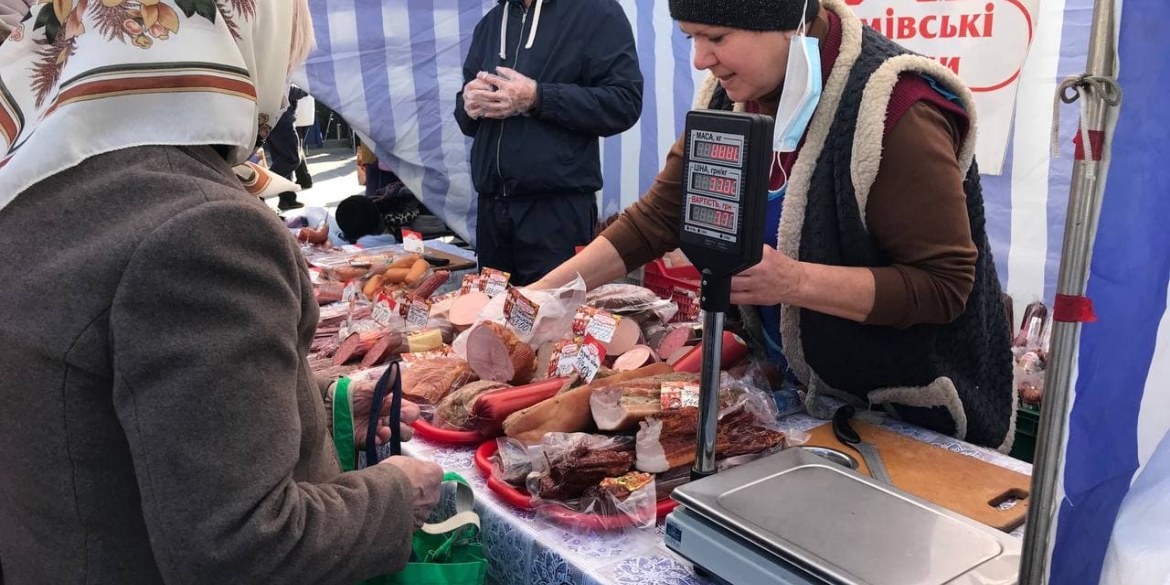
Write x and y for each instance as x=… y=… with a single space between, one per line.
x=507 y=94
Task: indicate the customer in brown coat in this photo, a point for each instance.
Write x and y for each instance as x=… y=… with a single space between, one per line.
x=160 y=423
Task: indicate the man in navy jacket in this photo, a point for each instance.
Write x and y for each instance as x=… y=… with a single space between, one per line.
x=543 y=80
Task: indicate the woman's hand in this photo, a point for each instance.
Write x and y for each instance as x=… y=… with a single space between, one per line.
x=841 y=291
x=775 y=280
x=363 y=396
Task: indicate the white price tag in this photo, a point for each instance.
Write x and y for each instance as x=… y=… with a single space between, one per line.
x=564 y=358
x=520 y=311
x=412 y=242
x=419 y=312
x=679 y=394
x=497 y=281
x=351 y=291
x=384 y=310
x=589 y=358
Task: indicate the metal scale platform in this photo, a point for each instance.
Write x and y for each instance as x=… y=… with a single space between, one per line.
x=794 y=518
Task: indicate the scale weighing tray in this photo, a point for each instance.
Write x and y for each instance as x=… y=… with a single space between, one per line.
x=795 y=518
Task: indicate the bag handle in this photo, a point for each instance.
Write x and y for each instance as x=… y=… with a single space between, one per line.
x=464 y=497
x=464 y=508
x=343 y=425
x=392 y=371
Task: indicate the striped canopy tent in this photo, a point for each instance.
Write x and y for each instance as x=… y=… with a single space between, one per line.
x=392 y=70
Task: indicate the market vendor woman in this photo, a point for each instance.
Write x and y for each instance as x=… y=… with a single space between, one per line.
x=877 y=283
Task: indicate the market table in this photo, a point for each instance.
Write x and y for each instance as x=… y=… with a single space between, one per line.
x=522 y=549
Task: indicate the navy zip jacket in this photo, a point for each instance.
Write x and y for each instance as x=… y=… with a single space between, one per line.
x=585 y=66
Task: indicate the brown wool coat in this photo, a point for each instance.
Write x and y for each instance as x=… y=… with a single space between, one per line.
x=159 y=420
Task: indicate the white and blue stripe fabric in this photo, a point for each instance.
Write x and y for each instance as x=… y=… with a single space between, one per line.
x=392 y=70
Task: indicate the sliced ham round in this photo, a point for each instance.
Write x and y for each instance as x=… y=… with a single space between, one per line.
x=465 y=309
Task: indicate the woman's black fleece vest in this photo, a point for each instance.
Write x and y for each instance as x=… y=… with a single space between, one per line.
x=852 y=359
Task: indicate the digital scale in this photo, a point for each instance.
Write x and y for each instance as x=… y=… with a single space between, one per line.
x=793 y=518
x=726 y=160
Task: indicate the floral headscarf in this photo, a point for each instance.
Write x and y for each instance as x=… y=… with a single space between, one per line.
x=84 y=77
x=11 y=11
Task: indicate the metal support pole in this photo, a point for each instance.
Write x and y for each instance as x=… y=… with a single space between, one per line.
x=1084 y=208
x=709 y=394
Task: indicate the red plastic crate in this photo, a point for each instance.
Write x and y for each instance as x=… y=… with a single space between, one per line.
x=679 y=284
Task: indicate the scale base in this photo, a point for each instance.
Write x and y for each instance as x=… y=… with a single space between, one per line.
x=723 y=557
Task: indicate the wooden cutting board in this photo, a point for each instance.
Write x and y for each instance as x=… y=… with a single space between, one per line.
x=457 y=262
x=956 y=482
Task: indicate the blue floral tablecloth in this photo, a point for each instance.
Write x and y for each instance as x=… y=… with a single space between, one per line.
x=524 y=550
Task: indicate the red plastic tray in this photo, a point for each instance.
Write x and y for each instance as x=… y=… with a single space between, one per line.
x=486 y=450
x=679 y=284
x=521 y=499
x=430 y=432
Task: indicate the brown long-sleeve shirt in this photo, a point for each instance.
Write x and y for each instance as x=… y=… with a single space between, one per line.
x=916 y=213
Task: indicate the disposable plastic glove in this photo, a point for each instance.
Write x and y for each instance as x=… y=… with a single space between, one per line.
x=473 y=97
x=515 y=93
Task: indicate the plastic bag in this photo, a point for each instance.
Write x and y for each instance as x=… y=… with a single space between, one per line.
x=513 y=460
x=635 y=302
x=554 y=319
x=589 y=476
x=748 y=391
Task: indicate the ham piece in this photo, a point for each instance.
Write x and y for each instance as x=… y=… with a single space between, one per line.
x=428 y=381
x=567 y=412
x=495 y=353
x=621 y=406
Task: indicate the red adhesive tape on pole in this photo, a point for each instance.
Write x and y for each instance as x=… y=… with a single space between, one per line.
x=1073 y=309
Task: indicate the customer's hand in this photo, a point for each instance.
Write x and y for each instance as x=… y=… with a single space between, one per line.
x=363 y=396
x=515 y=94
x=473 y=97
x=426 y=479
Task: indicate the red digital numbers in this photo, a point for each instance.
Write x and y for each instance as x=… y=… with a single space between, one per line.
x=720 y=185
x=724 y=152
x=724 y=185
x=715 y=217
x=721 y=152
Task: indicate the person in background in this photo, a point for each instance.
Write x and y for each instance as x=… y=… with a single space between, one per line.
x=304 y=119
x=877 y=283
x=287 y=155
x=161 y=423
x=543 y=81
x=356 y=221
x=377 y=174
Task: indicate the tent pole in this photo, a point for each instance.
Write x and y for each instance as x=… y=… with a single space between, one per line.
x=1084 y=207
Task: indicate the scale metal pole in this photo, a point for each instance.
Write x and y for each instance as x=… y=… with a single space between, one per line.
x=1084 y=208
x=715 y=300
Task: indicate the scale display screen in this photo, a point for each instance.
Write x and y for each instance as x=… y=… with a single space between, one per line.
x=715 y=151
x=726 y=160
x=717 y=147
x=715 y=181
x=707 y=215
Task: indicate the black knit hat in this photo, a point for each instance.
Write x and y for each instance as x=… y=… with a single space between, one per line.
x=358 y=217
x=744 y=14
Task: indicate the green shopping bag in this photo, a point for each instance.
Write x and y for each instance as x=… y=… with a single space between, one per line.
x=444 y=553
